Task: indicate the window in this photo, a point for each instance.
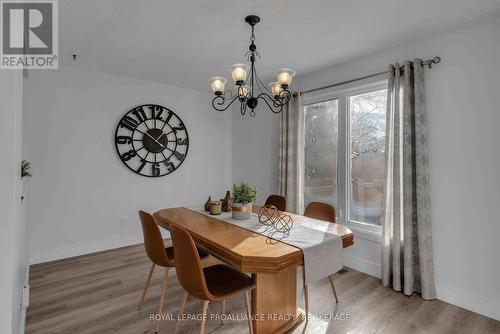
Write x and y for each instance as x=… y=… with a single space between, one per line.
x=344 y=144
x=367 y=118
x=320 y=170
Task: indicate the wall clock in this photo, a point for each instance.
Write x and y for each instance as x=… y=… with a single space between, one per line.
x=151 y=140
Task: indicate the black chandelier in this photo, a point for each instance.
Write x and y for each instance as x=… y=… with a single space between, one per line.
x=249 y=88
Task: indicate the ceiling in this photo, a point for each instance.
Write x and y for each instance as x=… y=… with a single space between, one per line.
x=184 y=42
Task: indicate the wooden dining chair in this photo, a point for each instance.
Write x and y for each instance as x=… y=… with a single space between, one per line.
x=326 y=212
x=159 y=256
x=321 y=211
x=214 y=283
x=278 y=201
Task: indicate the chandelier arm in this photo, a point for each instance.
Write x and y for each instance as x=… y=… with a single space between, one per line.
x=287 y=96
x=265 y=88
x=283 y=98
x=260 y=85
x=220 y=101
x=228 y=94
x=264 y=97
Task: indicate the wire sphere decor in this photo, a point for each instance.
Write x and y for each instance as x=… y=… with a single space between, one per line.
x=278 y=224
x=268 y=214
x=283 y=223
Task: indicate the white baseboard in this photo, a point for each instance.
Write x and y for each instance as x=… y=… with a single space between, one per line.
x=22 y=327
x=479 y=304
x=359 y=264
x=64 y=252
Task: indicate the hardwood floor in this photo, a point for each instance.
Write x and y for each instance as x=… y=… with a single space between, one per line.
x=99 y=293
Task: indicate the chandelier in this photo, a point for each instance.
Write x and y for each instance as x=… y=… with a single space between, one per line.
x=249 y=89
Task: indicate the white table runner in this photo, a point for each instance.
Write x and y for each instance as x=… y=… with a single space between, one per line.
x=322 y=248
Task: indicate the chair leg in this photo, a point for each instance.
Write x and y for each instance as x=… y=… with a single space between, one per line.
x=306 y=292
x=147 y=285
x=249 y=311
x=181 y=311
x=223 y=309
x=162 y=298
x=203 y=316
x=333 y=288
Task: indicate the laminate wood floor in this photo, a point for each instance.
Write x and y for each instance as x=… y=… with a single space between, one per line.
x=98 y=293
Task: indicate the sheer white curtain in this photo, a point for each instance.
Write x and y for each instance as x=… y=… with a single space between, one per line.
x=407 y=263
x=291 y=154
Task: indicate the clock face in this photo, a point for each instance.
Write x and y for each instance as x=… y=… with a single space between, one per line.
x=151 y=140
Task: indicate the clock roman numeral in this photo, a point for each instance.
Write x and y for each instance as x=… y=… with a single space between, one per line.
x=182 y=141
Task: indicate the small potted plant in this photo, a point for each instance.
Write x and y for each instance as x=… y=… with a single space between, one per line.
x=25 y=175
x=243 y=196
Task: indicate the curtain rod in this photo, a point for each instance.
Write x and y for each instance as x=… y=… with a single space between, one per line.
x=428 y=63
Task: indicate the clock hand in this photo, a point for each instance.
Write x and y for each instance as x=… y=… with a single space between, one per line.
x=154 y=139
x=165 y=134
x=162 y=134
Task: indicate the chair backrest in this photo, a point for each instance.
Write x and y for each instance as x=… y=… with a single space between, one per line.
x=321 y=211
x=188 y=264
x=153 y=240
x=278 y=201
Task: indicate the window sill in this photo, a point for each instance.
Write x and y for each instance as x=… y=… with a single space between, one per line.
x=365 y=231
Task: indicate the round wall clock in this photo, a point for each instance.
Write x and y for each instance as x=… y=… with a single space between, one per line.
x=151 y=140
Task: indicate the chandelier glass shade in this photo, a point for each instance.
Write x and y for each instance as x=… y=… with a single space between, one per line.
x=249 y=89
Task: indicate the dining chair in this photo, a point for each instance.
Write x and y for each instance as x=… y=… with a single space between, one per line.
x=214 y=283
x=326 y=212
x=278 y=201
x=159 y=255
x=321 y=211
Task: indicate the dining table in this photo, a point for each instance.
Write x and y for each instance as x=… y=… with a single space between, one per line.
x=273 y=265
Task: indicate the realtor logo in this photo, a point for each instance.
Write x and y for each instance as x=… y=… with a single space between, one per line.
x=29 y=34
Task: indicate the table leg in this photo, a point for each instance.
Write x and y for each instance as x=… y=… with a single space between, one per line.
x=274 y=302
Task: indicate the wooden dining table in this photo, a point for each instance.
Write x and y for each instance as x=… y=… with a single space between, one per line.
x=273 y=265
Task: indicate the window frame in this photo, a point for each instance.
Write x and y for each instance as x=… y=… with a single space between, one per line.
x=342 y=94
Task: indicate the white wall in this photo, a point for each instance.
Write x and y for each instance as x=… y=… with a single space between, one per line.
x=464 y=160
x=14 y=257
x=82 y=198
x=255 y=148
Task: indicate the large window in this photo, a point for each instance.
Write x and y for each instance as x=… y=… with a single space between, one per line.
x=320 y=170
x=344 y=143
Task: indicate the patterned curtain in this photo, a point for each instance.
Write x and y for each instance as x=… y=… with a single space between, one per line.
x=406 y=225
x=291 y=154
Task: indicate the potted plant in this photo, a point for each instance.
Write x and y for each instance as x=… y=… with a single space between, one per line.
x=25 y=175
x=243 y=196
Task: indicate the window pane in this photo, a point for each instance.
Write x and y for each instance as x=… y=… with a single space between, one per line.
x=367 y=113
x=321 y=134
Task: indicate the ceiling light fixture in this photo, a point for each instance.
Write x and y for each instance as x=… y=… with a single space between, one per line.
x=249 y=88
